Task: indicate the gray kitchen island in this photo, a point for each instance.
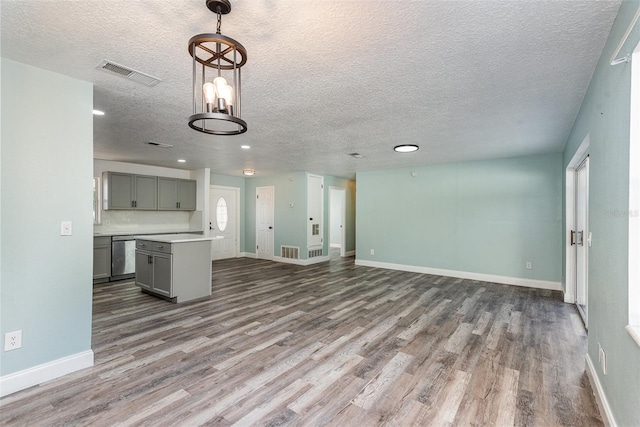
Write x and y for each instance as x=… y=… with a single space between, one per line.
x=175 y=267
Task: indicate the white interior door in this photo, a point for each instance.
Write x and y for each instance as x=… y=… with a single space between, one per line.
x=223 y=221
x=264 y=222
x=582 y=238
x=337 y=216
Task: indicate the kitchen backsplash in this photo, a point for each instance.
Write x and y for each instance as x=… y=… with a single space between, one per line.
x=129 y=220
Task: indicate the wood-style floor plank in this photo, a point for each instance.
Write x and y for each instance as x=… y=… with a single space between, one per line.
x=332 y=344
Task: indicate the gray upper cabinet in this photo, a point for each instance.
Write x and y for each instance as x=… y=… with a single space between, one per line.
x=187 y=195
x=146 y=192
x=118 y=190
x=167 y=194
x=128 y=191
x=176 y=194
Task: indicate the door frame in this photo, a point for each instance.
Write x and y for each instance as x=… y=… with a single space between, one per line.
x=570 y=218
x=236 y=192
x=343 y=218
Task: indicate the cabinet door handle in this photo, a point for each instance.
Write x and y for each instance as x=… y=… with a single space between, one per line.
x=144 y=245
x=150 y=259
x=159 y=246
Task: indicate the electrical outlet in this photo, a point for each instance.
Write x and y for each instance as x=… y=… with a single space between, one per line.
x=12 y=340
x=527 y=265
x=372 y=252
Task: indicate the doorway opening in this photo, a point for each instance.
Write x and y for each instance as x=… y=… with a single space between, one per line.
x=337 y=217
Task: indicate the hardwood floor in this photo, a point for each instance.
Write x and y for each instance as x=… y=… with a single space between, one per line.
x=331 y=344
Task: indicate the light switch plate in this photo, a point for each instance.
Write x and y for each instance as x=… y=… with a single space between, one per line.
x=66 y=228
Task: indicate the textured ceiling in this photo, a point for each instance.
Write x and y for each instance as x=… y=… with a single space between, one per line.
x=463 y=79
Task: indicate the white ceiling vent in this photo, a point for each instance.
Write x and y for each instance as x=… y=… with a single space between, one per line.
x=159 y=144
x=128 y=73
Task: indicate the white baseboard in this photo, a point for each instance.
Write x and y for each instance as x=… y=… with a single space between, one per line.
x=247 y=255
x=335 y=245
x=350 y=253
x=310 y=261
x=601 y=399
x=47 y=371
x=517 y=281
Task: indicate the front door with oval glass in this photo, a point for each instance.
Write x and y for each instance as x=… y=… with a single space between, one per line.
x=223 y=205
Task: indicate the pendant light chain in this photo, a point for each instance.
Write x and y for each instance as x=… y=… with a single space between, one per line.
x=219 y=21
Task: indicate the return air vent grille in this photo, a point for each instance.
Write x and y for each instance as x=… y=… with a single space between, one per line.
x=159 y=144
x=129 y=73
x=315 y=252
x=290 y=252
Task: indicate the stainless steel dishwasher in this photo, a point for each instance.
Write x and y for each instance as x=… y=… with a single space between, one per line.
x=123 y=257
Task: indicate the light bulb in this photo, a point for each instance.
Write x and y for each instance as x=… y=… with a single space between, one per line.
x=226 y=92
x=219 y=82
x=209 y=92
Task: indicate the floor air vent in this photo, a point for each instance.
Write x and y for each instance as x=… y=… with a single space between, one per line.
x=315 y=252
x=129 y=73
x=290 y=252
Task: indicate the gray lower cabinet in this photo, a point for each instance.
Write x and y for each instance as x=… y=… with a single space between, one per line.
x=177 y=271
x=101 y=259
x=153 y=272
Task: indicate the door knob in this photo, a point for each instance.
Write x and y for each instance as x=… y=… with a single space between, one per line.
x=270 y=228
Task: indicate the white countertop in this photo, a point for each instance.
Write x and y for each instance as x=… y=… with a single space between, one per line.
x=143 y=232
x=178 y=238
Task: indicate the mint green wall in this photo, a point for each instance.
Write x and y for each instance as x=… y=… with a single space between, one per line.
x=485 y=217
x=289 y=223
x=238 y=182
x=604 y=116
x=47 y=170
x=350 y=199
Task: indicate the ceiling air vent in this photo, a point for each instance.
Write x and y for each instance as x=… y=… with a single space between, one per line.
x=128 y=73
x=159 y=144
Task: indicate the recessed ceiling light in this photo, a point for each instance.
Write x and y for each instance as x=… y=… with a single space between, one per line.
x=245 y=147
x=249 y=172
x=182 y=161
x=406 y=148
x=98 y=113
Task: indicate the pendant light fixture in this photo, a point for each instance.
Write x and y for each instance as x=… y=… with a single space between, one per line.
x=217 y=61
